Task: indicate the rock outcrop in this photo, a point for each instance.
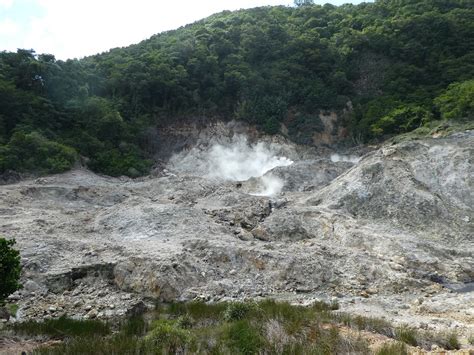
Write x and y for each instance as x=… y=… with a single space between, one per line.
x=378 y=235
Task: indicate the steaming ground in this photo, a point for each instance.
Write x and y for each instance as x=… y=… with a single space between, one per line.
x=335 y=158
x=235 y=160
x=390 y=235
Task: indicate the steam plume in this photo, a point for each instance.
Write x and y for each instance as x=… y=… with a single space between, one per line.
x=236 y=160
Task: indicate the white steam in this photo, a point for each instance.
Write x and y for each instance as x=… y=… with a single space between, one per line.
x=335 y=158
x=235 y=160
x=241 y=161
x=270 y=186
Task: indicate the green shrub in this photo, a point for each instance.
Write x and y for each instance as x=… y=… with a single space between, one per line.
x=370 y=324
x=401 y=120
x=116 y=162
x=238 y=310
x=10 y=269
x=34 y=152
x=407 y=335
x=457 y=102
x=445 y=340
x=12 y=309
x=168 y=336
x=185 y=322
x=271 y=126
x=452 y=342
x=303 y=126
x=134 y=326
x=244 y=338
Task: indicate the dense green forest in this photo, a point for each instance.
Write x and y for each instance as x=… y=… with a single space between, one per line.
x=390 y=66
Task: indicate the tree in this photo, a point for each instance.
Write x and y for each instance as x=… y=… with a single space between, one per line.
x=457 y=102
x=401 y=120
x=9 y=269
x=303 y=2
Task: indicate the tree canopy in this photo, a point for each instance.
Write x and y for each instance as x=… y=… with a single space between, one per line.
x=9 y=269
x=388 y=66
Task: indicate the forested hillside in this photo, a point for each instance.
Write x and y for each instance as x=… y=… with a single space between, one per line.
x=390 y=66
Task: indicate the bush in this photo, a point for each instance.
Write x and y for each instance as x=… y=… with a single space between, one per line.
x=244 y=338
x=457 y=102
x=185 y=322
x=33 y=152
x=452 y=342
x=134 y=326
x=116 y=162
x=303 y=127
x=407 y=335
x=401 y=120
x=237 y=311
x=10 y=269
x=271 y=126
x=370 y=324
x=168 y=336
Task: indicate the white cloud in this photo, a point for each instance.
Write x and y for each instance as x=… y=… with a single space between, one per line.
x=8 y=27
x=6 y=3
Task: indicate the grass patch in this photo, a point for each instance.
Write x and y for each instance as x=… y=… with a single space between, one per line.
x=134 y=326
x=168 y=336
x=439 y=128
x=375 y=325
x=393 y=348
x=266 y=327
x=12 y=308
x=407 y=335
x=113 y=345
x=198 y=310
x=239 y=310
x=62 y=327
x=446 y=340
x=244 y=338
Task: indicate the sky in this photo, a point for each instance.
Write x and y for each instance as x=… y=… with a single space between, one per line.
x=77 y=28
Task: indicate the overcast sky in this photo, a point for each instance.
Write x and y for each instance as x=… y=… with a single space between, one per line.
x=76 y=28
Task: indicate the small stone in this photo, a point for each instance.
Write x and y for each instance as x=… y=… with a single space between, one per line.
x=418 y=301
x=260 y=233
x=372 y=291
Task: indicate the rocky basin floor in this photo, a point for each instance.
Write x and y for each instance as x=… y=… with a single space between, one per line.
x=389 y=235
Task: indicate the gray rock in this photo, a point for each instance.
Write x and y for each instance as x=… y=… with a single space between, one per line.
x=388 y=226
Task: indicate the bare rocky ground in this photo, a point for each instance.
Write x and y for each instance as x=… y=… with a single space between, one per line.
x=388 y=236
